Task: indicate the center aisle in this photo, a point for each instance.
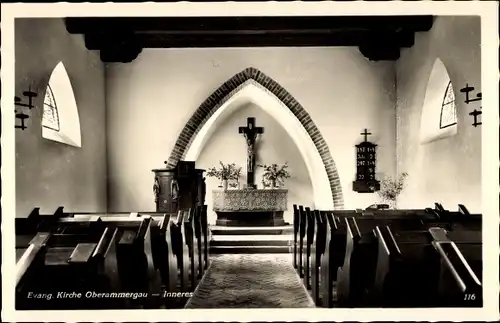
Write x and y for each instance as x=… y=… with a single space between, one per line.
x=251 y=281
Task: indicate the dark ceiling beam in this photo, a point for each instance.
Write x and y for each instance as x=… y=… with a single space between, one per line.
x=193 y=24
x=235 y=39
x=122 y=39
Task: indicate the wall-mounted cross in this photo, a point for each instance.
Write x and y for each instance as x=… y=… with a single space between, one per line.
x=250 y=132
x=366 y=134
x=476 y=113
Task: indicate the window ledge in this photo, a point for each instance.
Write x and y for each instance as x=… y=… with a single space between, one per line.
x=59 y=137
x=439 y=135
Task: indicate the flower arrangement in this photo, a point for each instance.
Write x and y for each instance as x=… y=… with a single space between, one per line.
x=236 y=173
x=225 y=172
x=390 y=189
x=235 y=178
x=274 y=174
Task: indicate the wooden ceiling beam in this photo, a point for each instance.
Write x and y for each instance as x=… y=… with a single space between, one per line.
x=207 y=24
x=378 y=37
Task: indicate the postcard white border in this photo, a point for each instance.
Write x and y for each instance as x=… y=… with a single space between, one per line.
x=488 y=11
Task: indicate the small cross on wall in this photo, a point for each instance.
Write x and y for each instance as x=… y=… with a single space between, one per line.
x=366 y=134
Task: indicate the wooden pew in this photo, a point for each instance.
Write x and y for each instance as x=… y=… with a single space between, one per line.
x=302 y=241
x=296 y=225
x=461 y=268
x=60 y=264
x=137 y=271
x=470 y=244
x=184 y=244
x=407 y=272
x=206 y=236
x=309 y=239
x=160 y=271
x=135 y=262
x=317 y=251
x=191 y=242
x=36 y=221
x=428 y=264
x=332 y=258
x=342 y=238
x=199 y=240
x=321 y=269
x=27 y=228
x=356 y=275
x=164 y=254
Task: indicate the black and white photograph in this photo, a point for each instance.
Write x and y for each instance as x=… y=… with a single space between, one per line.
x=187 y=159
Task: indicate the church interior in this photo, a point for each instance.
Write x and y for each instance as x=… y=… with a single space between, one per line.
x=248 y=162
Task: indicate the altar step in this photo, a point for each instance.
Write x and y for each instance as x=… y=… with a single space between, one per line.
x=224 y=230
x=251 y=240
x=249 y=249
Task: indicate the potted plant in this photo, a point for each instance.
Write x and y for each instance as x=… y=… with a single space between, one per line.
x=224 y=173
x=391 y=188
x=274 y=175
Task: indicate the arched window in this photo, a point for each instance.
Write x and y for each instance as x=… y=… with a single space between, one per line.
x=448 y=110
x=50 y=117
x=60 y=121
x=439 y=114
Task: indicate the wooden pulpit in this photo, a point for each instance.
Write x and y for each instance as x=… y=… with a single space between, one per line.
x=179 y=188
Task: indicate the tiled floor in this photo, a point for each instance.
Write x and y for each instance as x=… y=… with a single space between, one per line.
x=251 y=281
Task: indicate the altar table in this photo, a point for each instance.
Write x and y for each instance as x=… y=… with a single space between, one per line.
x=250 y=207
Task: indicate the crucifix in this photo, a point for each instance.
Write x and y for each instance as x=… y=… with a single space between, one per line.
x=366 y=133
x=250 y=133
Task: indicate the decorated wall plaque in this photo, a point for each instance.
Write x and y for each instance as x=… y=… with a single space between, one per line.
x=366 y=157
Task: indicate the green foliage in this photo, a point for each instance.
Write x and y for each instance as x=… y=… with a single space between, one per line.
x=274 y=173
x=225 y=171
x=390 y=188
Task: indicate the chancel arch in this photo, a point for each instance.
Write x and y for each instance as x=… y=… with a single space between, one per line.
x=251 y=85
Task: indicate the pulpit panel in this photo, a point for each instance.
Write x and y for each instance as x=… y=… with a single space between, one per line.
x=176 y=189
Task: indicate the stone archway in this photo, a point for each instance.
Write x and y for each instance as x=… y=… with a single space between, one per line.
x=218 y=98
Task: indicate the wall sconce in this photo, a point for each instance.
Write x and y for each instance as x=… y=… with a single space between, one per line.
x=475 y=113
x=21 y=115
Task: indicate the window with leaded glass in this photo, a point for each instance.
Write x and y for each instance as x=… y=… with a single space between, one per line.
x=448 y=108
x=50 y=117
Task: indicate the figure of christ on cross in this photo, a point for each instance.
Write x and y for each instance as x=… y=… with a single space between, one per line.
x=250 y=133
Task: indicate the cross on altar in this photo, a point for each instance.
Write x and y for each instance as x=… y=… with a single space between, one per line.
x=366 y=133
x=250 y=133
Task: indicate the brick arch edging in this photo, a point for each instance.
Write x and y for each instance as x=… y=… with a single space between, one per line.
x=217 y=99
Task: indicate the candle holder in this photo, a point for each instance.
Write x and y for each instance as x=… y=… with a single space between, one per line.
x=20 y=114
x=479 y=96
x=476 y=113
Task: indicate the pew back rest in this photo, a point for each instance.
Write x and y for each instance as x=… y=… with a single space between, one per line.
x=302 y=221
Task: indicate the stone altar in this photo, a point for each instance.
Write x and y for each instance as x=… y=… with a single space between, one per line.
x=250 y=207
